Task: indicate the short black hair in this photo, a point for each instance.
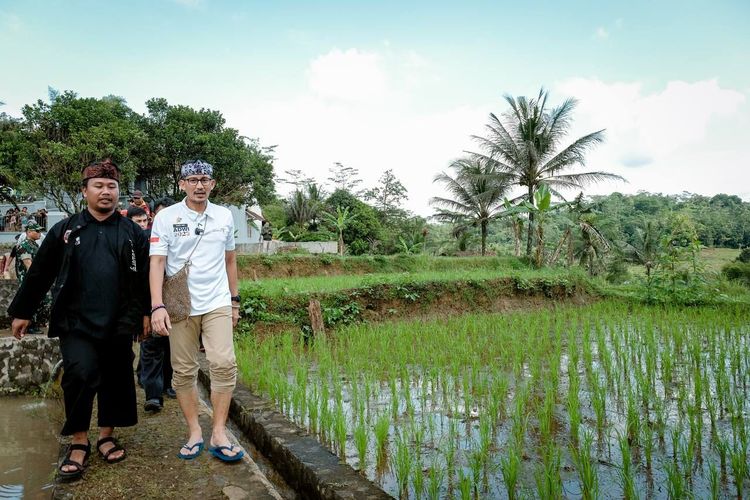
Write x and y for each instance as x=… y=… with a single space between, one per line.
x=164 y=202
x=135 y=212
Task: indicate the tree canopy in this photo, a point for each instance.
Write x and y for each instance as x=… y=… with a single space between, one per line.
x=45 y=150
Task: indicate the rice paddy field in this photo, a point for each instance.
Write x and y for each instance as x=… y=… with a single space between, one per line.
x=610 y=400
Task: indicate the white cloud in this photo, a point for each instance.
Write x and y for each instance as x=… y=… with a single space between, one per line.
x=359 y=110
x=349 y=76
x=366 y=109
x=601 y=33
x=684 y=136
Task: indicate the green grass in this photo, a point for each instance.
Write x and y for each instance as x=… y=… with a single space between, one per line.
x=285 y=286
x=713 y=259
x=313 y=264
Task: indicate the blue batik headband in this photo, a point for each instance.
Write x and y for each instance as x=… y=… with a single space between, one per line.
x=196 y=167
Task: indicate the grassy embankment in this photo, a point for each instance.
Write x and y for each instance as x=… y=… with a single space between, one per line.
x=402 y=286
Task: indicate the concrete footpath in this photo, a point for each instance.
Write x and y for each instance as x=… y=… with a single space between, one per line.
x=152 y=469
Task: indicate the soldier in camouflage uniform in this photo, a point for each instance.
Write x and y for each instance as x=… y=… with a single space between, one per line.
x=25 y=254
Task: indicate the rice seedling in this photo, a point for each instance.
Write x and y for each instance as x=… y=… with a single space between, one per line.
x=676 y=487
x=739 y=468
x=722 y=449
x=402 y=464
x=382 y=426
x=547 y=475
x=476 y=465
x=361 y=441
x=464 y=485
x=340 y=429
x=510 y=465
x=417 y=479
x=687 y=458
x=584 y=464
x=714 y=481
x=647 y=444
x=435 y=480
x=627 y=480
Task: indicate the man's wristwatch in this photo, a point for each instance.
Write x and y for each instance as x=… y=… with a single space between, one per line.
x=236 y=298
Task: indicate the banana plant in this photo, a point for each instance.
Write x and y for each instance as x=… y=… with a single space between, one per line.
x=340 y=221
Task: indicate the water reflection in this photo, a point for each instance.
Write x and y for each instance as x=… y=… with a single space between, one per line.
x=28 y=455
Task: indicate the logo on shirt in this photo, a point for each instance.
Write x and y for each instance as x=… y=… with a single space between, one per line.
x=154 y=239
x=180 y=229
x=66 y=235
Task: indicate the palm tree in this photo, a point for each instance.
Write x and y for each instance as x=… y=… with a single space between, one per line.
x=525 y=144
x=477 y=191
x=646 y=246
x=583 y=217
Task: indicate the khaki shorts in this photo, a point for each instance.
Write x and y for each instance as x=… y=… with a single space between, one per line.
x=216 y=329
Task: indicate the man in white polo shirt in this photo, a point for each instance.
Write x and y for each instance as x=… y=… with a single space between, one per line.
x=202 y=232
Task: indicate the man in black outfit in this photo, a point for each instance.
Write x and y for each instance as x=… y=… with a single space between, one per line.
x=98 y=262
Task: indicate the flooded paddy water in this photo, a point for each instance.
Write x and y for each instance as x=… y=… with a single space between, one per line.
x=29 y=429
x=604 y=401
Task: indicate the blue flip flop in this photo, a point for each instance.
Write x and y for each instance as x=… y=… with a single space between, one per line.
x=181 y=455
x=218 y=452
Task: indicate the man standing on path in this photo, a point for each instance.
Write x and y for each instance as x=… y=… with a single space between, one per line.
x=26 y=251
x=197 y=230
x=98 y=261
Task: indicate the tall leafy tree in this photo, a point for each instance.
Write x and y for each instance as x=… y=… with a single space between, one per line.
x=346 y=178
x=526 y=144
x=364 y=230
x=477 y=195
x=13 y=150
x=388 y=196
x=176 y=133
x=70 y=132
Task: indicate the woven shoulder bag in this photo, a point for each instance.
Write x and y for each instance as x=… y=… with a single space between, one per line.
x=175 y=292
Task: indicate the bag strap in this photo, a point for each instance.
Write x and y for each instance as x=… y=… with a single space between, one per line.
x=187 y=262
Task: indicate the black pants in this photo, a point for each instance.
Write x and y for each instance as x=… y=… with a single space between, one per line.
x=156 y=369
x=101 y=368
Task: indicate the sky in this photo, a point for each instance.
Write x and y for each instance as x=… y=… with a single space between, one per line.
x=403 y=85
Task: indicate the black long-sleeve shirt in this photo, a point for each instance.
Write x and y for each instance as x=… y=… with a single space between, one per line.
x=100 y=275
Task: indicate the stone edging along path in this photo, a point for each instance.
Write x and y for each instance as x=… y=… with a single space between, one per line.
x=306 y=465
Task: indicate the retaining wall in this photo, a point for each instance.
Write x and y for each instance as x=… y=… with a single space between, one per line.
x=277 y=246
x=26 y=365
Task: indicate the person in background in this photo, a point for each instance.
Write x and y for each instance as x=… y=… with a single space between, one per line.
x=26 y=252
x=266 y=234
x=139 y=202
x=154 y=369
x=24 y=216
x=11 y=256
x=98 y=262
x=198 y=230
x=162 y=203
x=139 y=216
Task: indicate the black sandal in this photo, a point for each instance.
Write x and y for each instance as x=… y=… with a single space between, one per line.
x=77 y=473
x=115 y=448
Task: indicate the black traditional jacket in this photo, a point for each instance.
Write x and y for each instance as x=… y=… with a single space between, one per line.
x=52 y=265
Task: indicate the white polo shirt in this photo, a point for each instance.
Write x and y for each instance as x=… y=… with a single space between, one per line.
x=174 y=235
